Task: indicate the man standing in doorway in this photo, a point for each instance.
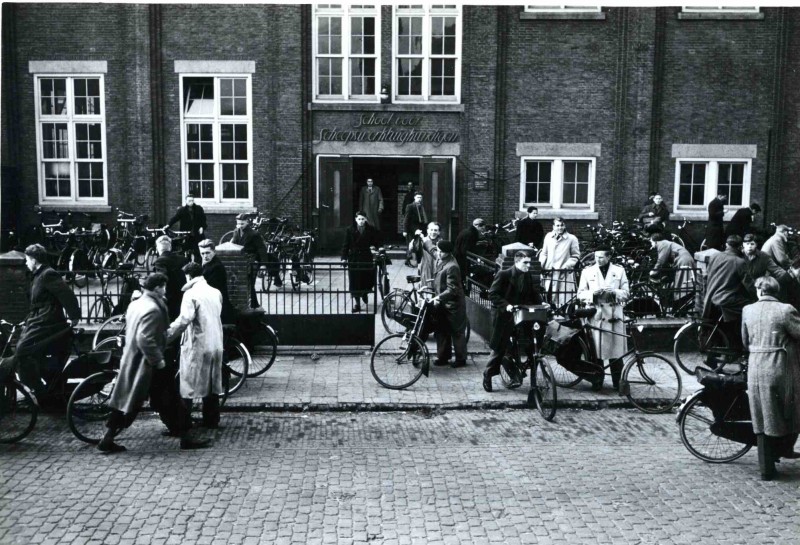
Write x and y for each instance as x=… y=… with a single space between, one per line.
x=371 y=203
x=415 y=219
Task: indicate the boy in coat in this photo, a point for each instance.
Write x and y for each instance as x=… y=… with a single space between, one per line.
x=605 y=286
x=451 y=308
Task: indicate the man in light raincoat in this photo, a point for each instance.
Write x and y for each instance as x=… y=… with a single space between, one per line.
x=201 y=344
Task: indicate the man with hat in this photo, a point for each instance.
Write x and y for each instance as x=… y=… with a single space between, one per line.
x=451 y=308
x=726 y=289
x=467 y=241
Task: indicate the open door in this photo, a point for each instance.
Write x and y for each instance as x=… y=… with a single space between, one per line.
x=437 y=183
x=335 y=201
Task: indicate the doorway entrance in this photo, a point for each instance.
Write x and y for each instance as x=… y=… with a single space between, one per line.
x=340 y=180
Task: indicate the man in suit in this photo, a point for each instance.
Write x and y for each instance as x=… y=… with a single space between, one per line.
x=370 y=202
x=742 y=221
x=414 y=219
x=605 y=286
x=530 y=230
x=142 y=357
x=715 y=230
x=217 y=277
x=451 y=308
x=467 y=241
x=512 y=286
x=192 y=218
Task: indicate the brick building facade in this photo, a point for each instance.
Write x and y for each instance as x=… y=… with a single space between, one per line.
x=486 y=109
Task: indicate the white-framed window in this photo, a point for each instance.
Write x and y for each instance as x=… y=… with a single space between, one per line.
x=346 y=47
x=71 y=138
x=426 y=53
x=720 y=9
x=558 y=183
x=561 y=8
x=217 y=138
x=697 y=181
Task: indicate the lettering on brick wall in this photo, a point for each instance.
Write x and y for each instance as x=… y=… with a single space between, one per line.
x=399 y=129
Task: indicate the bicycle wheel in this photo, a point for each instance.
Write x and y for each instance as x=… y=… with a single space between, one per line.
x=100 y=309
x=396 y=310
x=543 y=389
x=112 y=327
x=512 y=373
x=263 y=348
x=235 y=366
x=87 y=410
x=227 y=237
x=78 y=265
x=701 y=345
x=651 y=382
x=575 y=351
x=695 y=425
x=113 y=345
x=398 y=361
x=18 y=411
x=149 y=259
x=643 y=302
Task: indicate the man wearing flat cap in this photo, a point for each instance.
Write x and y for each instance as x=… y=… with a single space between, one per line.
x=726 y=289
x=451 y=308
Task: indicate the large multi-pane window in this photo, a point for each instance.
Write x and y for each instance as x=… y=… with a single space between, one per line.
x=427 y=52
x=346 y=52
x=700 y=180
x=558 y=183
x=217 y=136
x=70 y=127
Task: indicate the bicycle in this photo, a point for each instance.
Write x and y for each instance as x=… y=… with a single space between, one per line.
x=650 y=381
x=703 y=344
x=658 y=297
x=382 y=261
x=528 y=332
x=715 y=421
x=401 y=306
x=303 y=259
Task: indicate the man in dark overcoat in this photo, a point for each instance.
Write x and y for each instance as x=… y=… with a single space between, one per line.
x=726 y=288
x=192 y=218
x=451 y=308
x=742 y=221
x=253 y=245
x=467 y=241
x=170 y=264
x=146 y=323
x=715 y=229
x=760 y=264
x=217 y=277
x=414 y=219
x=530 y=230
x=512 y=286
x=46 y=331
x=771 y=332
x=655 y=216
x=359 y=241
x=370 y=201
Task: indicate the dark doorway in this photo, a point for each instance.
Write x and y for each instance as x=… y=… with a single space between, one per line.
x=391 y=175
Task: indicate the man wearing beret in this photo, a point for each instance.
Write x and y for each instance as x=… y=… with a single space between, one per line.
x=451 y=308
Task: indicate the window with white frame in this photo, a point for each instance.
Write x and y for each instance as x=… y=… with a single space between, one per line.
x=70 y=131
x=216 y=119
x=562 y=8
x=697 y=181
x=558 y=182
x=720 y=9
x=346 y=52
x=427 y=53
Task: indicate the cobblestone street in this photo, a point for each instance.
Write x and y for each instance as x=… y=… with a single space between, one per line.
x=610 y=476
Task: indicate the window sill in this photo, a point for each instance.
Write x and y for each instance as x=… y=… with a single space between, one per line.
x=375 y=107
x=244 y=209
x=566 y=213
x=75 y=207
x=711 y=16
x=700 y=215
x=543 y=16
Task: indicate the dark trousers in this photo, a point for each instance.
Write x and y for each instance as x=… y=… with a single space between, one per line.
x=165 y=397
x=211 y=410
x=446 y=343
x=39 y=367
x=496 y=356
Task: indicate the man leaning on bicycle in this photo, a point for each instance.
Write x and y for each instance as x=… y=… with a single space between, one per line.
x=511 y=287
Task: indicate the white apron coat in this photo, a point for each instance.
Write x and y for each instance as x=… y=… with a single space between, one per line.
x=609 y=315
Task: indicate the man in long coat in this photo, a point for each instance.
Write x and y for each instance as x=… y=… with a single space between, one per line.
x=511 y=287
x=143 y=354
x=715 y=229
x=726 y=288
x=414 y=219
x=560 y=253
x=370 y=202
x=467 y=241
x=605 y=286
x=217 y=277
x=742 y=221
x=427 y=259
x=192 y=218
x=200 y=327
x=452 y=308
x=530 y=230
x=771 y=331
x=46 y=331
x=359 y=241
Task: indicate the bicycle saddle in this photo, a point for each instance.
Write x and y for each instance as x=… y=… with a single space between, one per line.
x=413 y=278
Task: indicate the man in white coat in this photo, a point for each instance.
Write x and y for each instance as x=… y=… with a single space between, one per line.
x=560 y=251
x=201 y=344
x=605 y=286
x=427 y=260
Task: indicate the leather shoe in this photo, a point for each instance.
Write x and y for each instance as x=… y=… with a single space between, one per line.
x=110 y=448
x=487 y=382
x=458 y=363
x=792 y=455
x=193 y=444
x=356 y=309
x=597 y=383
